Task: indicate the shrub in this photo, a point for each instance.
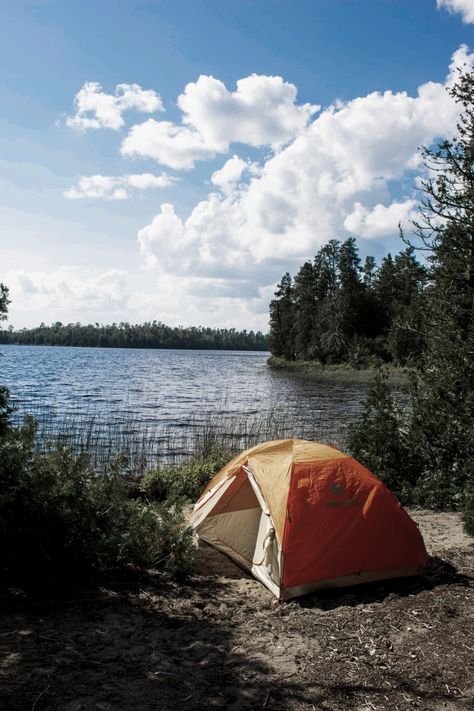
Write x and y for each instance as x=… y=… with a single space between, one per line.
x=378 y=439
x=59 y=517
x=178 y=550
x=5 y=411
x=418 y=451
x=184 y=481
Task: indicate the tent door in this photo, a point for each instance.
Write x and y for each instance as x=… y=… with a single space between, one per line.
x=236 y=520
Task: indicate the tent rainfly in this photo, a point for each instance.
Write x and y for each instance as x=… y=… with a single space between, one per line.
x=302 y=516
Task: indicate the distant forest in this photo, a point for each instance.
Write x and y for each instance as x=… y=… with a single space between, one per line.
x=337 y=309
x=146 y=335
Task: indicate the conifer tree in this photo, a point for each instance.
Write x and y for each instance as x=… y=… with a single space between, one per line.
x=405 y=336
x=305 y=311
x=351 y=290
x=4 y=301
x=282 y=320
x=369 y=272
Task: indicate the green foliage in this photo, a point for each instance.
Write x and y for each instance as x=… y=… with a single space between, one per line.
x=147 y=335
x=59 y=517
x=4 y=301
x=380 y=441
x=184 y=481
x=282 y=317
x=363 y=352
x=5 y=411
x=334 y=305
x=177 y=548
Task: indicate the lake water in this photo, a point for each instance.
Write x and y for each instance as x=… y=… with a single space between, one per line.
x=161 y=398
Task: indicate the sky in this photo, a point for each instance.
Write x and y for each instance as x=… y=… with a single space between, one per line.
x=170 y=160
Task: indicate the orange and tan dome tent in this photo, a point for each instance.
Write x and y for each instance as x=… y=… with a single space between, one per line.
x=301 y=516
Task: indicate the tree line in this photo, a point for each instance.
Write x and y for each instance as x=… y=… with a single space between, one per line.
x=337 y=309
x=147 y=335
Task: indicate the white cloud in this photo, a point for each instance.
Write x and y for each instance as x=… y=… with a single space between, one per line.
x=335 y=177
x=112 y=187
x=67 y=289
x=96 y=109
x=464 y=7
x=380 y=220
x=165 y=227
x=261 y=112
x=231 y=172
x=175 y=146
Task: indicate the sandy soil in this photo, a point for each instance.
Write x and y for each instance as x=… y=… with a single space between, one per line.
x=222 y=642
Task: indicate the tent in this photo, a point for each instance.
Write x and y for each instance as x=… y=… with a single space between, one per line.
x=301 y=516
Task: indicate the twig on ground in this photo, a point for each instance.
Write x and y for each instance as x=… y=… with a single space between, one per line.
x=39 y=697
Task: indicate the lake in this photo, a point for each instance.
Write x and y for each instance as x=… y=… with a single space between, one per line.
x=161 y=400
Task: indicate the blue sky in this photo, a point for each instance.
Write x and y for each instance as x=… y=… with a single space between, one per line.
x=121 y=201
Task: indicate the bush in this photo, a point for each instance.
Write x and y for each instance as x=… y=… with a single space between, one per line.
x=185 y=481
x=5 y=411
x=361 y=353
x=418 y=451
x=378 y=439
x=178 y=550
x=59 y=517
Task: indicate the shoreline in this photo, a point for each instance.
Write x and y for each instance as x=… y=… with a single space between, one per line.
x=338 y=372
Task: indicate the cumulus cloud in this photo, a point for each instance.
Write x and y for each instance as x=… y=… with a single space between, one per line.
x=111 y=187
x=178 y=147
x=231 y=172
x=96 y=109
x=381 y=220
x=464 y=7
x=333 y=179
x=74 y=289
x=261 y=112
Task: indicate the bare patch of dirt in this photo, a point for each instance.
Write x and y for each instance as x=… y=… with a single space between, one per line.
x=220 y=641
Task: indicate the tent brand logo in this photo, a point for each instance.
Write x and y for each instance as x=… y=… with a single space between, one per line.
x=337 y=488
x=305 y=481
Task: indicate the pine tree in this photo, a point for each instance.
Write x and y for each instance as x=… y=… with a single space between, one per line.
x=369 y=271
x=282 y=320
x=331 y=343
x=351 y=289
x=305 y=311
x=405 y=336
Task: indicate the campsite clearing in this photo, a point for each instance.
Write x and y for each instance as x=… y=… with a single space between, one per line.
x=221 y=641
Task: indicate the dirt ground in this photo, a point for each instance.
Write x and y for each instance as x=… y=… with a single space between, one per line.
x=221 y=641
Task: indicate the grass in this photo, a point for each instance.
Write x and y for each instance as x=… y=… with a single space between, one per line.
x=147 y=446
x=338 y=372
